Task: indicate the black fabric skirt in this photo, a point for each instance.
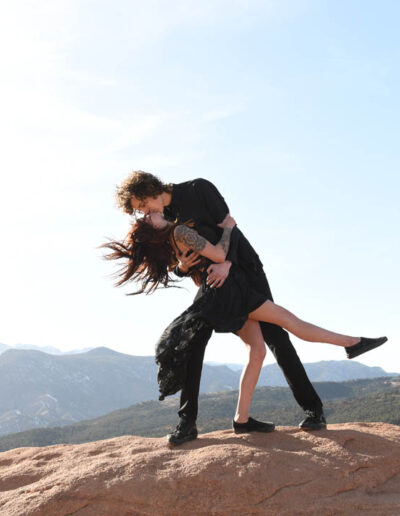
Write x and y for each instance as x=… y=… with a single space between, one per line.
x=224 y=310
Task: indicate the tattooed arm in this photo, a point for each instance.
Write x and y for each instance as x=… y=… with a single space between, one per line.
x=217 y=253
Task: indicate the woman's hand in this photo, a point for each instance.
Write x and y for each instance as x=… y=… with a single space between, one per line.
x=186 y=261
x=228 y=222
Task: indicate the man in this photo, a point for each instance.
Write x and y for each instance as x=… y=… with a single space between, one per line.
x=200 y=201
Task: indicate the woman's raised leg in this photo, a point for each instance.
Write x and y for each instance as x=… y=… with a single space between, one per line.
x=273 y=313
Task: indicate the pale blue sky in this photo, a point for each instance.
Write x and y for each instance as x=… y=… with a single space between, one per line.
x=290 y=107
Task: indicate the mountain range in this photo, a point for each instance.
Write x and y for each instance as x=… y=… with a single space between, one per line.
x=372 y=399
x=46 y=349
x=39 y=389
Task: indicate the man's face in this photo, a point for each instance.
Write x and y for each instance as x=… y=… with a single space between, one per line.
x=147 y=204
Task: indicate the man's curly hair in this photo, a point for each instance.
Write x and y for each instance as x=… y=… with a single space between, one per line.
x=140 y=185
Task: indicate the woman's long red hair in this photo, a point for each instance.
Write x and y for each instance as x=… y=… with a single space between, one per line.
x=149 y=257
x=148 y=254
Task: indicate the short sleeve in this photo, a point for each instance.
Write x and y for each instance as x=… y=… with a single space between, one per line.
x=212 y=199
x=217 y=207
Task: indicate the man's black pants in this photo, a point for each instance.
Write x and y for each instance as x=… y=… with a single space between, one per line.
x=278 y=341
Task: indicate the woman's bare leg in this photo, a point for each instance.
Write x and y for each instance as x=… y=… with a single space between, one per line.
x=252 y=337
x=273 y=313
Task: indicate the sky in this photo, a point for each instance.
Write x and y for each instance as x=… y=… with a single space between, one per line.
x=289 y=107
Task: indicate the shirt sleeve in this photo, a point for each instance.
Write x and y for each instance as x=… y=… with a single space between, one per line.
x=217 y=207
x=212 y=199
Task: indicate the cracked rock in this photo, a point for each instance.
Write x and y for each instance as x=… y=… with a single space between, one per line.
x=346 y=469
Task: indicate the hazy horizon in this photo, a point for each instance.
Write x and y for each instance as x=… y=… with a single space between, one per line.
x=53 y=350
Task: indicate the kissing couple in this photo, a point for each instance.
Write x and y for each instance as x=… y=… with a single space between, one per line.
x=186 y=229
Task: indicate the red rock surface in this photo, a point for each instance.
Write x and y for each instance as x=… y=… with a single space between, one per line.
x=349 y=469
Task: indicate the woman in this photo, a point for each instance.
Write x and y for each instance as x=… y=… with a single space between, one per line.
x=152 y=249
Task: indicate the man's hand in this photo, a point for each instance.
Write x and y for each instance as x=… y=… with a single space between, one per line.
x=186 y=261
x=217 y=274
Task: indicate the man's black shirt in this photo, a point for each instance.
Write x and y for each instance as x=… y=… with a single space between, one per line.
x=200 y=201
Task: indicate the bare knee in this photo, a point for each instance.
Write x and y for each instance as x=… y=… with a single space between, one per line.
x=253 y=339
x=257 y=353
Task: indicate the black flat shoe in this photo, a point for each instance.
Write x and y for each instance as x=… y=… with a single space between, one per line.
x=363 y=346
x=184 y=432
x=313 y=421
x=252 y=425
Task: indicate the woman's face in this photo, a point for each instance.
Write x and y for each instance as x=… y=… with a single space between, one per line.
x=156 y=219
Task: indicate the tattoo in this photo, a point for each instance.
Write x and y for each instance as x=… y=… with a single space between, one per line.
x=225 y=239
x=190 y=238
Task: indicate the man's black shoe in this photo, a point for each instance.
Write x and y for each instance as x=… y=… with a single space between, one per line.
x=363 y=346
x=313 y=421
x=252 y=425
x=185 y=431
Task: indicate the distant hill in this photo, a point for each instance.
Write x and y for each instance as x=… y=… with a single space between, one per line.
x=46 y=349
x=3 y=347
x=323 y=371
x=38 y=389
x=234 y=366
x=357 y=400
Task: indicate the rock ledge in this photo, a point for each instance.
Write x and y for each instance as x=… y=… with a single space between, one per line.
x=346 y=469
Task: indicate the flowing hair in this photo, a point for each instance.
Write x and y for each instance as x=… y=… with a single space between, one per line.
x=148 y=256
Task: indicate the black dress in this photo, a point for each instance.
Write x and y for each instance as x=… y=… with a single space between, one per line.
x=224 y=309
